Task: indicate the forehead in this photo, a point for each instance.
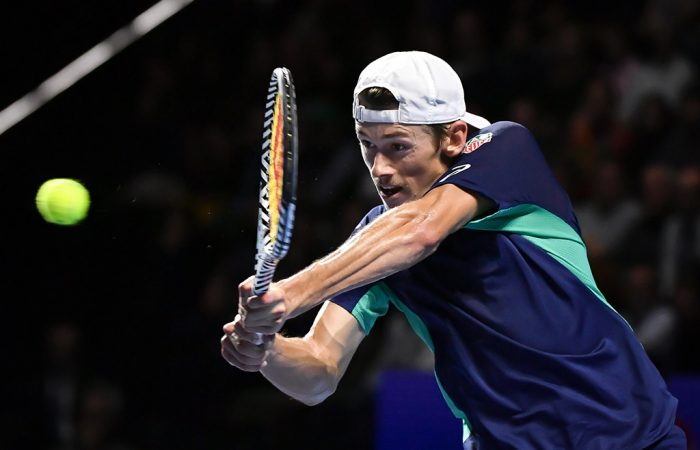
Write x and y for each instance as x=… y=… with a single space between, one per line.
x=388 y=130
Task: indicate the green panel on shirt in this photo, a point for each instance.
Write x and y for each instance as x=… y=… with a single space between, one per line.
x=374 y=304
x=547 y=231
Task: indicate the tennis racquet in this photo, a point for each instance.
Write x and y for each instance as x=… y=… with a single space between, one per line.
x=278 y=179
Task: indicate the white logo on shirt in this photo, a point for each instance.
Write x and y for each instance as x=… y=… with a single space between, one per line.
x=456 y=170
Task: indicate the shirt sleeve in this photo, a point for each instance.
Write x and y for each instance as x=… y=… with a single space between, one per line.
x=366 y=303
x=503 y=162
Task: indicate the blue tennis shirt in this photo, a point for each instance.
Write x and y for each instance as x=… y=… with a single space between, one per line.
x=528 y=352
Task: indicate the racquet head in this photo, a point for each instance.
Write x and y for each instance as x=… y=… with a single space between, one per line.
x=278 y=176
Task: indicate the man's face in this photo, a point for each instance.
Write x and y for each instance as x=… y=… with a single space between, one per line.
x=402 y=159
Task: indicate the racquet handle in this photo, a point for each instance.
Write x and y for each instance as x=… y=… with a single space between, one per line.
x=264 y=272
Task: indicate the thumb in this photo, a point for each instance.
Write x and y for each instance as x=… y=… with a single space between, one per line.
x=228 y=328
x=245 y=289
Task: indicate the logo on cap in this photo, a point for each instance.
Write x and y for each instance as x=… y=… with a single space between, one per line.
x=477 y=141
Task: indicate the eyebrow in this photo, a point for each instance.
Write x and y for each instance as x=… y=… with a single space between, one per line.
x=388 y=135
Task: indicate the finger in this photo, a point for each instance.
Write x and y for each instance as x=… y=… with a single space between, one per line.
x=267 y=299
x=245 y=334
x=240 y=366
x=243 y=359
x=244 y=301
x=236 y=326
x=252 y=340
x=270 y=327
x=249 y=349
x=231 y=341
x=240 y=361
x=259 y=317
x=228 y=353
x=254 y=303
x=229 y=328
x=266 y=329
x=245 y=289
x=227 y=341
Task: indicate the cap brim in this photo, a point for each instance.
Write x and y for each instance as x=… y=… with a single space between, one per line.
x=474 y=120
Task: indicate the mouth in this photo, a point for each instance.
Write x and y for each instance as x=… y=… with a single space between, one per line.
x=389 y=191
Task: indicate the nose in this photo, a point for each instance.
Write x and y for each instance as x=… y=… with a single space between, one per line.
x=381 y=166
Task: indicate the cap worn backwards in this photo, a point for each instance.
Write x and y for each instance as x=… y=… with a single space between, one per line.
x=428 y=90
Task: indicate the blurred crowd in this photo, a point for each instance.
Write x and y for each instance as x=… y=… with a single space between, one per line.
x=609 y=89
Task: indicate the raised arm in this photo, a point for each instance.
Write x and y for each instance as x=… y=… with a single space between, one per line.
x=396 y=240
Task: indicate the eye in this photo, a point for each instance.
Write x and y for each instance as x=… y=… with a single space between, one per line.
x=398 y=147
x=365 y=143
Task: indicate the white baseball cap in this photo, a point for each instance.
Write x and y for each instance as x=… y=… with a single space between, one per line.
x=428 y=90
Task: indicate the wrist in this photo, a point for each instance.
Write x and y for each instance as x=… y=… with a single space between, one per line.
x=272 y=353
x=293 y=296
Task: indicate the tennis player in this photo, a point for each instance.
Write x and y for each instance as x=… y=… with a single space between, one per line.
x=478 y=245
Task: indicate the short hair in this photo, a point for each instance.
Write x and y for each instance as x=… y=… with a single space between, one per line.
x=378 y=98
x=381 y=99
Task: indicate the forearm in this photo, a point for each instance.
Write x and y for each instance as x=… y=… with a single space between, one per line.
x=297 y=367
x=399 y=240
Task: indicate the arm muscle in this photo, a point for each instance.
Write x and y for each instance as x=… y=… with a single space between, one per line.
x=398 y=239
x=309 y=368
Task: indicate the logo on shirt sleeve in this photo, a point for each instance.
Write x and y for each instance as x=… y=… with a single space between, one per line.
x=455 y=170
x=477 y=141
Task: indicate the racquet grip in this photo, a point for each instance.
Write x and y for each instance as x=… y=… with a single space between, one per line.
x=263 y=277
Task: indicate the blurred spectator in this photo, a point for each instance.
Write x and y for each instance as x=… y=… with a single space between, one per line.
x=686 y=300
x=470 y=57
x=643 y=242
x=81 y=414
x=679 y=144
x=100 y=419
x=565 y=58
x=652 y=319
x=663 y=70
x=595 y=134
x=62 y=381
x=469 y=44
x=518 y=65
x=619 y=63
x=526 y=111
x=681 y=235
x=609 y=214
x=650 y=125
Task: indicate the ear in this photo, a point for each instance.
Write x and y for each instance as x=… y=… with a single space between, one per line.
x=456 y=138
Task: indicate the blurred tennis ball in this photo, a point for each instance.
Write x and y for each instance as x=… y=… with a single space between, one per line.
x=63 y=201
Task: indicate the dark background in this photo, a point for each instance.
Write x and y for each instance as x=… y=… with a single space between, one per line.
x=110 y=329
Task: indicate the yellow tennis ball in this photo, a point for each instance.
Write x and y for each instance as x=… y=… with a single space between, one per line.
x=63 y=201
